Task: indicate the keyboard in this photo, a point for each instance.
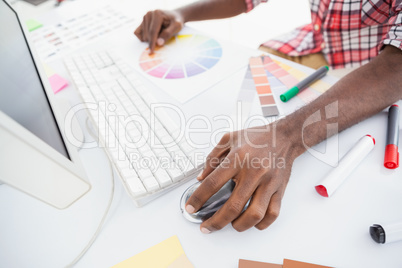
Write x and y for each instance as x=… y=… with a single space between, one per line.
x=144 y=145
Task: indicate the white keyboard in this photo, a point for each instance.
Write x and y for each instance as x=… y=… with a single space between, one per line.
x=143 y=144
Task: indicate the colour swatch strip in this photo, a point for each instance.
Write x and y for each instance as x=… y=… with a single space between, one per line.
x=261 y=83
x=286 y=264
x=307 y=95
x=246 y=94
x=318 y=85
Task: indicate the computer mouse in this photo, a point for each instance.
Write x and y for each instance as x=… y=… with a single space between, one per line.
x=211 y=206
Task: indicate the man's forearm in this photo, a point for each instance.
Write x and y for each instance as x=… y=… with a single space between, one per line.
x=359 y=95
x=211 y=9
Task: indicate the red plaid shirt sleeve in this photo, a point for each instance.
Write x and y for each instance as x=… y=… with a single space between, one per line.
x=349 y=33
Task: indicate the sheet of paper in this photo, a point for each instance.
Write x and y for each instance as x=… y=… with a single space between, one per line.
x=52 y=41
x=297 y=264
x=160 y=255
x=33 y=24
x=57 y=83
x=188 y=64
x=181 y=262
x=257 y=264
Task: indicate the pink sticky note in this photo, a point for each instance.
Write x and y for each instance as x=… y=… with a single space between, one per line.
x=57 y=83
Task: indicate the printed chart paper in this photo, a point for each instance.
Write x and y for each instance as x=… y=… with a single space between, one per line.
x=52 y=41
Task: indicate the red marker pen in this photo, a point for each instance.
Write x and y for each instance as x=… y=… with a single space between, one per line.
x=391 y=158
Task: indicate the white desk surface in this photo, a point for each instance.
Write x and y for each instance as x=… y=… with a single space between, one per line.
x=328 y=231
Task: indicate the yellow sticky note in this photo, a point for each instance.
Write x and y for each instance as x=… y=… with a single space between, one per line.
x=181 y=262
x=49 y=71
x=158 y=256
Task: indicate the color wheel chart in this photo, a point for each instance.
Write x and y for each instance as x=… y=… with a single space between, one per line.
x=182 y=56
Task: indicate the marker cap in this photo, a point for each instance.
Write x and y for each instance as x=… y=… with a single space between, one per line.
x=371 y=138
x=322 y=190
x=391 y=158
x=289 y=94
x=377 y=233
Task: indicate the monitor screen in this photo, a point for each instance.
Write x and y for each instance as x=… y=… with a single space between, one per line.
x=22 y=96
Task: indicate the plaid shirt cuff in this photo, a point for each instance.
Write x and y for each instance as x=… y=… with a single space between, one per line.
x=394 y=36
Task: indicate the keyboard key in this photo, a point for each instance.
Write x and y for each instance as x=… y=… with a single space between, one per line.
x=144 y=173
x=136 y=187
x=149 y=99
x=163 y=177
x=151 y=184
x=129 y=173
x=175 y=173
x=186 y=147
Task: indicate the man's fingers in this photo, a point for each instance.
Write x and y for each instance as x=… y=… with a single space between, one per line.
x=145 y=22
x=213 y=158
x=256 y=210
x=172 y=28
x=155 y=26
x=138 y=32
x=231 y=209
x=212 y=184
x=272 y=212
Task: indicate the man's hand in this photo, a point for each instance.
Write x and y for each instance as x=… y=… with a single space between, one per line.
x=259 y=160
x=159 y=26
x=359 y=95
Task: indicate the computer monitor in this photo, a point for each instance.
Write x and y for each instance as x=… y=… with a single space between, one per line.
x=35 y=156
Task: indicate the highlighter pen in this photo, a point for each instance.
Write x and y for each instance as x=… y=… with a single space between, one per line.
x=391 y=157
x=346 y=165
x=386 y=233
x=303 y=84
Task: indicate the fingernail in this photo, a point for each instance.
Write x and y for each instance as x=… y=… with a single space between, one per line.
x=190 y=209
x=205 y=230
x=160 y=41
x=199 y=175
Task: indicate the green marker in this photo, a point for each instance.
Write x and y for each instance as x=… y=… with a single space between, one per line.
x=303 y=84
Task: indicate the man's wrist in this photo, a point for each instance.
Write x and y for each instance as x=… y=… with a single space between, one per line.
x=289 y=129
x=181 y=14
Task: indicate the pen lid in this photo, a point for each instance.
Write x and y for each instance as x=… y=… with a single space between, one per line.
x=289 y=94
x=377 y=233
x=391 y=157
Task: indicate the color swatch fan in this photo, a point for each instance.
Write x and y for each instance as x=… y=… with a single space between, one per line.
x=183 y=56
